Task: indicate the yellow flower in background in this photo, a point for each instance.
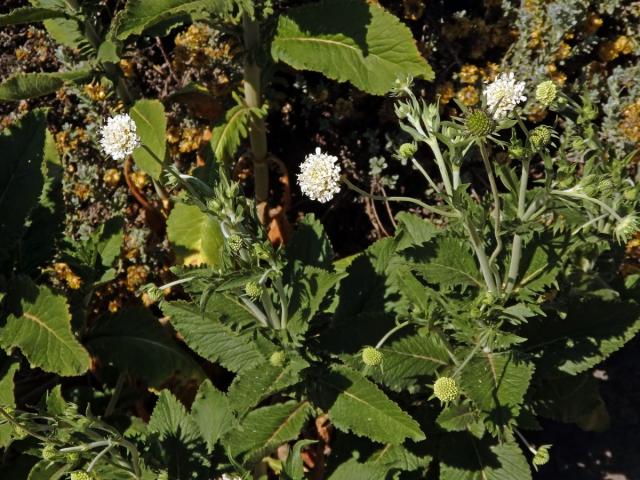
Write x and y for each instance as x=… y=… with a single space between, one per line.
x=469 y=74
x=468 y=95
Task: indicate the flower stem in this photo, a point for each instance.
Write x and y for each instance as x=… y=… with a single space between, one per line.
x=391 y=332
x=516 y=244
x=496 y=206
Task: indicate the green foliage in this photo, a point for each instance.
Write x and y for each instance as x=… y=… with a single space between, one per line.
x=41 y=327
x=195 y=236
x=349 y=41
x=28 y=15
x=212 y=413
x=355 y=404
x=30 y=85
x=152 y=124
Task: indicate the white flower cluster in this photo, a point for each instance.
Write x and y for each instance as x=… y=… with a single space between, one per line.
x=503 y=94
x=319 y=176
x=118 y=137
x=227 y=476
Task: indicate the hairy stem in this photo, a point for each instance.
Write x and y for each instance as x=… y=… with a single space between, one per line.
x=496 y=206
x=516 y=244
x=391 y=332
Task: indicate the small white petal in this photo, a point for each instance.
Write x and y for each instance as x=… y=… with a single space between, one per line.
x=319 y=176
x=504 y=94
x=119 y=137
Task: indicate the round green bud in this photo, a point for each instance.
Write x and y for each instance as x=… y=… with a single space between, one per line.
x=80 y=475
x=605 y=186
x=253 y=290
x=403 y=110
x=19 y=432
x=214 y=205
x=371 y=356
x=155 y=294
x=540 y=137
x=278 y=358
x=49 y=452
x=546 y=93
x=626 y=228
x=235 y=242
x=445 y=389
x=541 y=456
x=407 y=150
x=480 y=124
x=630 y=194
x=72 y=458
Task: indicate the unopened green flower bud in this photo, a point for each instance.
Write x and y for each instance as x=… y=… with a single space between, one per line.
x=518 y=151
x=407 y=150
x=480 y=124
x=546 y=93
x=403 y=111
x=541 y=456
x=80 y=475
x=445 y=389
x=49 y=452
x=155 y=294
x=540 y=137
x=630 y=194
x=214 y=205
x=253 y=290
x=235 y=242
x=278 y=358
x=626 y=228
x=371 y=356
x=605 y=186
x=72 y=458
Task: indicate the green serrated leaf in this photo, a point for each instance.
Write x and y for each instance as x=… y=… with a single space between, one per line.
x=212 y=413
x=292 y=468
x=349 y=40
x=410 y=359
x=457 y=418
x=151 y=126
x=196 y=237
x=464 y=457
x=265 y=428
x=354 y=470
x=355 y=404
x=162 y=15
x=28 y=15
x=42 y=330
x=398 y=457
x=207 y=335
x=255 y=384
x=21 y=86
x=228 y=134
x=7 y=398
x=134 y=341
x=497 y=384
x=310 y=245
x=413 y=231
x=170 y=418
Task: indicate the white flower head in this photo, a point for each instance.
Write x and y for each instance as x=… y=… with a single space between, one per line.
x=118 y=137
x=504 y=94
x=228 y=476
x=319 y=176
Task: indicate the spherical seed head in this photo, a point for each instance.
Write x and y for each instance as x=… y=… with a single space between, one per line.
x=626 y=228
x=80 y=475
x=371 y=356
x=278 y=358
x=49 y=452
x=541 y=456
x=253 y=290
x=19 y=432
x=407 y=150
x=235 y=242
x=518 y=151
x=540 y=137
x=445 y=389
x=480 y=124
x=546 y=93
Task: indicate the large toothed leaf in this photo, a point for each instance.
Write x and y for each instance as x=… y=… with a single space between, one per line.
x=8 y=369
x=195 y=236
x=265 y=428
x=21 y=86
x=354 y=470
x=355 y=404
x=255 y=384
x=409 y=359
x=171 y=419
x=464 y=457
x=151 y=126
x=42 y=330
x=161 y=15
x=497 y=384
x=28 y=15
x=134 y=341
x=349 y=40
x=212 y=413
x=207 y=334
x=229 y=133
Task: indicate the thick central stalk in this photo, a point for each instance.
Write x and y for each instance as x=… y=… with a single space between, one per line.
x=257 y=128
